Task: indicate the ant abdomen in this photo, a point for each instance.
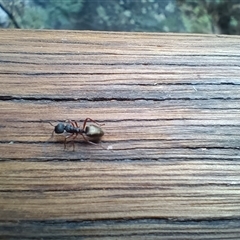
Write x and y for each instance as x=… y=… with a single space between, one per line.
x=94 y=132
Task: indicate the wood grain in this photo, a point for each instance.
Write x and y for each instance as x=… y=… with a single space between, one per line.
x=170 y=105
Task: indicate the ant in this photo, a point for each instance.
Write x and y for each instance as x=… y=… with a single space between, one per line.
x=93 y=132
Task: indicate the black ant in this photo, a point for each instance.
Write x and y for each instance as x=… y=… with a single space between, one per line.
x=93 y=132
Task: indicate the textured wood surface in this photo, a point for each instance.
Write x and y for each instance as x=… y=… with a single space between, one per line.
x=170 y=104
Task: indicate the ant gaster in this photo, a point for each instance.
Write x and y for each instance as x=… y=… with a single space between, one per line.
x=92 y=132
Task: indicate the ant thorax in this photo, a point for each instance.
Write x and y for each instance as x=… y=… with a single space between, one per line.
x=70 y=129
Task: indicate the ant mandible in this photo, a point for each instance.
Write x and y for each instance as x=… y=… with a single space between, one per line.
x=93 y=132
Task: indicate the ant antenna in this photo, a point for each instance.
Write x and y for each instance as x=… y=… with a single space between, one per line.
x=53 y=130
x=51 y=124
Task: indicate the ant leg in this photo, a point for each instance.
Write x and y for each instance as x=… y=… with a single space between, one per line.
x=73 y=141
x=70 y=121
x=88 y=140
x=74 y=122
x=97 y=144
x=65 y=141
x=53 y=129
x=51 y=124
x=52 y=134
x=75 y=125
x=90 y=120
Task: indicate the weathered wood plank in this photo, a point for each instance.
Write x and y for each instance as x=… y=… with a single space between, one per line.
x=167 y=129
x=82 y=191
x=170 y=104
x=123 y=229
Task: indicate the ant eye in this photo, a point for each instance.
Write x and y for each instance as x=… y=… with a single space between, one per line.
x=59 y=128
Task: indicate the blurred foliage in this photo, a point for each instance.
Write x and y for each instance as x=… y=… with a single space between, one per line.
x=14 y=8
x=39 y=14
x=194 y=16
x=207 y=16
x=128 y=15
x=59 y=14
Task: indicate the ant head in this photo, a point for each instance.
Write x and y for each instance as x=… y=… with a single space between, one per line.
x=59 y=128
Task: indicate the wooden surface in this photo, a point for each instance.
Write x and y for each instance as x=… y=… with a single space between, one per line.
x=171 y=108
